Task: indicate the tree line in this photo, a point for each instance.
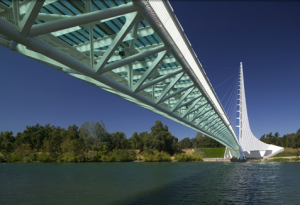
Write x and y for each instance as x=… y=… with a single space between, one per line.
x=90 y=142
x=288 y=141
x=199 y=141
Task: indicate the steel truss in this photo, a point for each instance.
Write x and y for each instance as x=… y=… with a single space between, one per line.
x=122 y=48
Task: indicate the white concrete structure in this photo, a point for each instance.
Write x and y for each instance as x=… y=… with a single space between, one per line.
x=250 y=146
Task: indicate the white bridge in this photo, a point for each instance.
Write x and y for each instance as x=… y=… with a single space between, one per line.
x=250 y=146
x=136 y=50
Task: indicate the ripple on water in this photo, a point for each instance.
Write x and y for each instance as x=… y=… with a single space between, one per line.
x=150 y=183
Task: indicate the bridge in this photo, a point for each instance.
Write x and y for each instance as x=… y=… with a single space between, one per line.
x=136 y=50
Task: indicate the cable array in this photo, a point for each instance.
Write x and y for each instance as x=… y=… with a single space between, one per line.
x=230 y=99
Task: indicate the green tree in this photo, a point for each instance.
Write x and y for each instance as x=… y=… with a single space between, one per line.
x=186 y=143
x=6 y=141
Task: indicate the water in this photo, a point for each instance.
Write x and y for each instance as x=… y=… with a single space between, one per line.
x=150 y=183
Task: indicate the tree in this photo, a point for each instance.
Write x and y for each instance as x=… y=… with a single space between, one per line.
x=7 y=141
x=186 y=143
x=160 y=139
x=95 y=135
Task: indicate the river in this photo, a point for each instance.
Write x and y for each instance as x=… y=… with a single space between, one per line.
x=150 y=183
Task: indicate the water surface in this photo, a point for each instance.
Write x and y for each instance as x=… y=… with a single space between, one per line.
x=150 y=183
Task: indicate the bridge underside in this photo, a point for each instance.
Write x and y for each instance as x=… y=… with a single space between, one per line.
x=136 y=50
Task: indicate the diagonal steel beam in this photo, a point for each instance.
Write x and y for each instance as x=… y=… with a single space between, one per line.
x=170 y=86
x=192 y=106
x=188 y=102
x=214 y=124
x=150 y=70
x=202 y=114
x=157 y=80
x=176 y=93
x=81 y=19
x=199 y=111
x=130 y=59
x=206 y=118
x=182 y=98
x=131 y=19
x=207 y=123
x=30 y=16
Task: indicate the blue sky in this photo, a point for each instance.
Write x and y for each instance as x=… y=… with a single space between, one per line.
x=263 y=35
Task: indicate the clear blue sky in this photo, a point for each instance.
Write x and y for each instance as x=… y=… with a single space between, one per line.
x=264 y=35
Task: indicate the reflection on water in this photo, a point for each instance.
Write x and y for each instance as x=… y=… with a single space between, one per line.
x=150 y=183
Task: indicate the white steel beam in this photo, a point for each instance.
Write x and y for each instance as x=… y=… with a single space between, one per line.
x=107 y=40
x=129 y=59
x=30 y=16
x=82 y=19
x=182 y=98
x=193 y=98
x=157 y=80
x=131 y=19
x=150 y=70
x=176 y=93
x=170 y=86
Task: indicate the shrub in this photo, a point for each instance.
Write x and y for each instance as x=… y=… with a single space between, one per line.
x=124 y=155
x=156 y=156
x=2 y=158
x=119 y=156
x=187 y=158
x=23 y=149
x=15 y=157
x=45 y=157
x=27 y=159
x=91 y=156
x=69 y=157
x=108 y=157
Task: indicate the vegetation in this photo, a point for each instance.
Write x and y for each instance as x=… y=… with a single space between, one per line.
x=288 y=153
x=211 y=152
x=156 y=156
x=89 y=143
x=279 y=160
x=187 y=157
x=288 y=141
x=199 y=141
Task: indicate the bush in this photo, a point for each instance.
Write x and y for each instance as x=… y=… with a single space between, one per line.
x=187 y=158
x=108 y=157
x=15 y=158
x=91 y=156
x=27 y=159
x=69 y=157
x=124 y=155
x=156 y=156
x=2 y=158
x=119 y=156
x=45 y=157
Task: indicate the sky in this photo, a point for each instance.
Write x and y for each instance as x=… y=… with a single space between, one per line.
x=264 y=35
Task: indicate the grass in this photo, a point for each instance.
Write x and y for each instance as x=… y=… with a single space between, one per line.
x=286 y=154
x=211 y=152
x=279 y=160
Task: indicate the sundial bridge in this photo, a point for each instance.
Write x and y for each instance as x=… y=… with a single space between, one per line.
x=134 y=49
